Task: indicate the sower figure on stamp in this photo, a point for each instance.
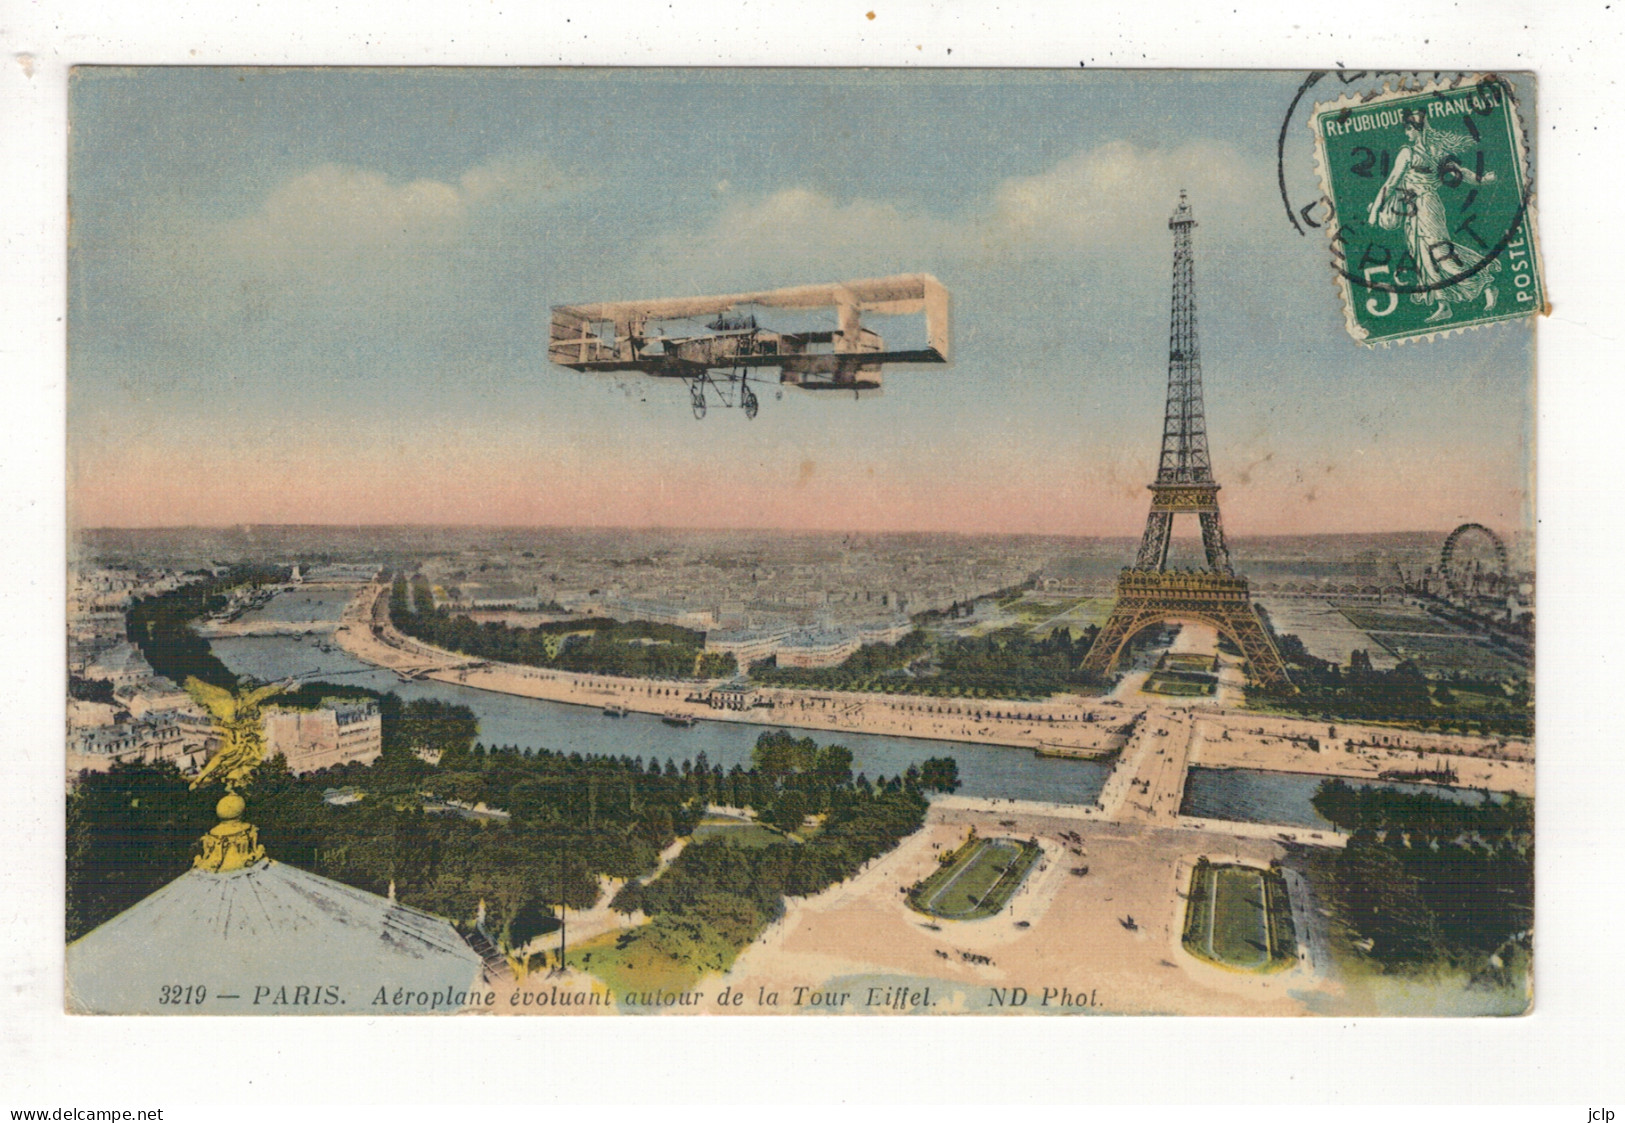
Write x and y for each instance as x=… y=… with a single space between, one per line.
x=1411 y=195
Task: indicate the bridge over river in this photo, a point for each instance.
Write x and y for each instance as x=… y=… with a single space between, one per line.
x=265 y=627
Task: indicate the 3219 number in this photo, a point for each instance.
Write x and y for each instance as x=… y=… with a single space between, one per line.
x=182 y=996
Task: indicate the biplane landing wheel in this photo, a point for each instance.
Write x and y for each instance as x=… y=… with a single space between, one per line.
x=750 y=403
x=696 y=399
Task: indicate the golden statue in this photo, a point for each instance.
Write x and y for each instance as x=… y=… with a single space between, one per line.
x=237 y=719
x=231 y=844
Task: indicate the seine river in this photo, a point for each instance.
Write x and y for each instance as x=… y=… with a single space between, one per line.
x=506 y=719
x=988 y=771
x=1279 y=797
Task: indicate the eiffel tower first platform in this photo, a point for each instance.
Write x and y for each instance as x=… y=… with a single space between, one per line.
x=1150 y=592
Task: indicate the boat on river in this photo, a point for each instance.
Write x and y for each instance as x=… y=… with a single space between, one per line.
x=615 y=710
x=682 y=721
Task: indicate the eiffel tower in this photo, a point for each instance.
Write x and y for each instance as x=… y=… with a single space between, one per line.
x=1150 y=592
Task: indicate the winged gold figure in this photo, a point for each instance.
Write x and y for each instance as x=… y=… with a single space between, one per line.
x=237 y=719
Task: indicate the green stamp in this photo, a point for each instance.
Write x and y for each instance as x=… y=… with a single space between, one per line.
x=1432 y=209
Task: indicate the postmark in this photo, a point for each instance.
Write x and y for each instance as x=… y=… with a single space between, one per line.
x=1431 y=209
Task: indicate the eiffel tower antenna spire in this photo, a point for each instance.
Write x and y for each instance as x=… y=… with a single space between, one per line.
x=1150 y=592
x=1184 y=428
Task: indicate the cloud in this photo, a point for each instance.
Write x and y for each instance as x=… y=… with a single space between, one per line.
x=757 y=238
x=1105 y=199
x=525 y=176
x=331 y=253
x=1111 y=194
x=334 y=207
x=336 y=211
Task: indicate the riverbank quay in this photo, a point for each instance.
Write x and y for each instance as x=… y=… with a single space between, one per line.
x=1062 y=726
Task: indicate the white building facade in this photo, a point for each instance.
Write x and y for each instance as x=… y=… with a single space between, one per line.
x=337 y=732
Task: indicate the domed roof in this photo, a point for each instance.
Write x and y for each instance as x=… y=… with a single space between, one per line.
x=268 y=939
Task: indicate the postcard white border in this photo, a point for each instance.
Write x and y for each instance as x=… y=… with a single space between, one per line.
x=1567 y=1051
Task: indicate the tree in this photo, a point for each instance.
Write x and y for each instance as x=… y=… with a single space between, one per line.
x=90 y=689
x=833 y=764
x=940 y=774
x=789 y=812
x=778 y=754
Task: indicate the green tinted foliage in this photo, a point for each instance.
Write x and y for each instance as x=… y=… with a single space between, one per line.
x=130 y=831
x=594 y=645
x=779 y=754
x=787 y=814
x=570 y=820
x=940 y=774
x=1010 y=663
x=160 y=625
x=1427 y=879
x=1402 y=695
x=860 y=831
x=90 y=689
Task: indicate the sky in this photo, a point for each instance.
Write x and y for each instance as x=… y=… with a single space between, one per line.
x=322 y=296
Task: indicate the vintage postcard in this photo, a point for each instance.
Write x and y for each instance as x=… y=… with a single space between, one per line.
x=764 y=542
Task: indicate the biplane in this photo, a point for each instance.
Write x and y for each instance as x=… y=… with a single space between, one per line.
x=719 y=345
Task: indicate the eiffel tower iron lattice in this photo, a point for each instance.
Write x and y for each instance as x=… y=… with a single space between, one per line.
x=1150 y=592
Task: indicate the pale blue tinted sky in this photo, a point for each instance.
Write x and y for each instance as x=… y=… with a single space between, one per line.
x=322 y=296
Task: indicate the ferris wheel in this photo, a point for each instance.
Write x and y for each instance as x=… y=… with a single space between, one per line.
x=1472 y=553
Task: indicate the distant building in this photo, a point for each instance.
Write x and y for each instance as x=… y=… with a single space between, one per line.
x=178 y=737
x=85 y=650
x=120 y=665
x=885 y=631
x=337 y=732
x=817 y=649
x=823 y=646
x=91 y=634
x=471 y=595
x=93 y=715
x=739 y=694
x=747 y=646
x=155 y=693
x=658 y=612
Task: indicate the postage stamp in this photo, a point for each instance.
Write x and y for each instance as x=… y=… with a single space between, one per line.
x=1432 y=208
x=668 y=541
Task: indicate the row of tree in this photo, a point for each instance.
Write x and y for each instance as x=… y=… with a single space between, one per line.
x=717 y=897
x=590 y=645
x=161 y=625
x=1427 y=879
x=1400 y=695
x=1008 y=663
x=817 y=780
x=570 y=819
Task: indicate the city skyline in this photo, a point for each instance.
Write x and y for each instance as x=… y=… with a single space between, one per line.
x=324 y=301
